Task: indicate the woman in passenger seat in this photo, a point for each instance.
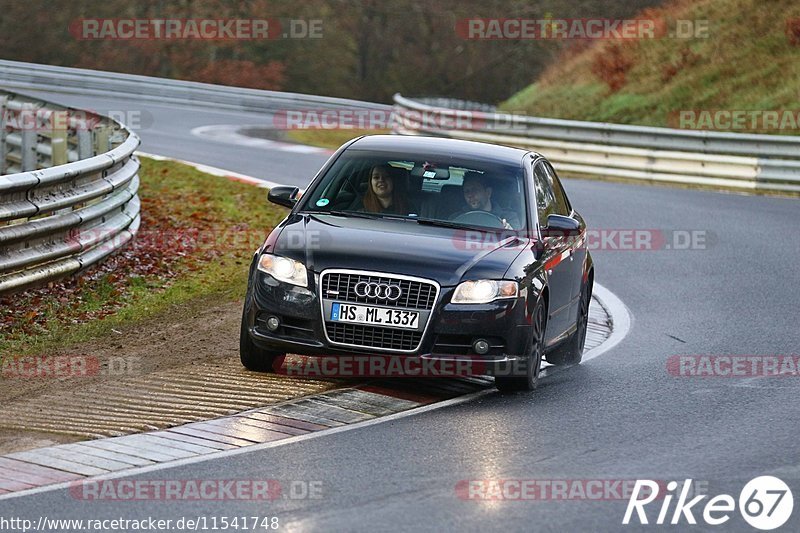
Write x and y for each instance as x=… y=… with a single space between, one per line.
x=386 y=192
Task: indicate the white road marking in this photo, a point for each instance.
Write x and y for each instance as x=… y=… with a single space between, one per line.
x=229 y=133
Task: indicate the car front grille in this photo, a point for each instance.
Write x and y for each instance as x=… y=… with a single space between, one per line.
x=373 y=336
x=340 y=286
x=416 y=294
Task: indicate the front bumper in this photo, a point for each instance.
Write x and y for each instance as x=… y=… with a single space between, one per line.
x=449 y=336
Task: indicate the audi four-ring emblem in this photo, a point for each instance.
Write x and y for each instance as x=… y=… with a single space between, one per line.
x=379 y=291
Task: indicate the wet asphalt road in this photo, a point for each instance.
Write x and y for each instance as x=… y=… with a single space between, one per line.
x=621 y=416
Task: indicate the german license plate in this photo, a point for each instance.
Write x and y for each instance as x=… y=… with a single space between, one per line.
x=375 y=316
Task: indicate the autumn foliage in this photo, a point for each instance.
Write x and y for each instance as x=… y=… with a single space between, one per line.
x=612 y=63
x=369 y=49
x=686 y=59
x=792 y=29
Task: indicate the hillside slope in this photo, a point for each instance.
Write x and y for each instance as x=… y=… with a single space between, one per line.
x=750 y=60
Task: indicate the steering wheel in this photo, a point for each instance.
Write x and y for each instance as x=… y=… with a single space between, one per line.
x=480 y=218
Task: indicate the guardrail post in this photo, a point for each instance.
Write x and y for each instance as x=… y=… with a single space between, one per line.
x=85 y=149
x=58 y=137
x=28 y=122
x=116 y=137
x=3 y=108
x=101 y=144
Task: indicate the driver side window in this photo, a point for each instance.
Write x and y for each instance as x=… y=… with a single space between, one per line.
x=545 y=200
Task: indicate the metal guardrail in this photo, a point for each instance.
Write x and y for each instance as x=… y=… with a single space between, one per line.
x=732 y=160
x=18 y=75
x=455 y=103
x=68 y=190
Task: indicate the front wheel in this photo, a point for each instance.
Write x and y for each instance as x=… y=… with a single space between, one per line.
x=571 y=352
x=532 y=362
x=255 y=358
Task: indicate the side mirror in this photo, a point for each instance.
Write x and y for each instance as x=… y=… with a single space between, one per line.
x=285 y=196
x=561 y=226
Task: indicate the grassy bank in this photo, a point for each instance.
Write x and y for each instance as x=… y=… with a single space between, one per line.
x=748 y=59
x=194 y=246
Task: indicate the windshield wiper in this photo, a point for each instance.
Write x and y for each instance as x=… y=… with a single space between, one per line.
x=339 y=212
x=447 y=224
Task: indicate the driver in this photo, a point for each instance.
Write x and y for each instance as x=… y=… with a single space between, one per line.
x=478 y=195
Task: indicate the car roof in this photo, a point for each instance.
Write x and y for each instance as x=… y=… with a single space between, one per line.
x=440 y=146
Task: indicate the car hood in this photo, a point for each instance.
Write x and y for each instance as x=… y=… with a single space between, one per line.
x=446 y=255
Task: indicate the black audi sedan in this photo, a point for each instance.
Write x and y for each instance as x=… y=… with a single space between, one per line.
x=424 y=248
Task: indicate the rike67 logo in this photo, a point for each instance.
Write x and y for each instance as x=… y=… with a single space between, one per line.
x=765 y=503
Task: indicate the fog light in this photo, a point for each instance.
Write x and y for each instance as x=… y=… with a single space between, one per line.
x=273 y=323
x=480 y=346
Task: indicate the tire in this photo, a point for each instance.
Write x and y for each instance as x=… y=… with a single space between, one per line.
x=533 y=361
x=254 y=358
x=571 y=352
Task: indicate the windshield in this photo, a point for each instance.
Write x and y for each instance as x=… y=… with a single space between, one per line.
x=453 y=191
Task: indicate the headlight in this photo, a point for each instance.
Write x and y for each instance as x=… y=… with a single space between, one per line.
x=283 y=269
x=484 y=291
